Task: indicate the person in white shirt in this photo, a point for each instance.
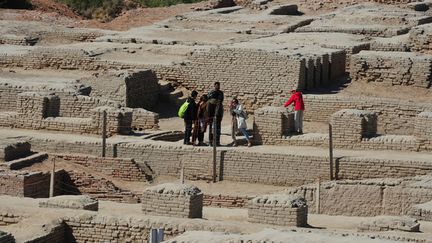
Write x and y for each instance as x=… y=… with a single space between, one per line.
x=241 y=117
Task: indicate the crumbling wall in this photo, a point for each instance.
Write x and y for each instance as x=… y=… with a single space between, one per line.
x=69 y=59
x=391 y=68
x=420 y=38
x=173 y=200
x=366 y=198
x=394 y=116
x=144 y=119
x=278 y=209
x=78 y=183
x=121 y=168
x=27 y=184
x=271 y=124
x=134 y=89
x=280 y=168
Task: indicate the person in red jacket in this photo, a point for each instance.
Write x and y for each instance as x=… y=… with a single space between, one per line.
x=297 y=99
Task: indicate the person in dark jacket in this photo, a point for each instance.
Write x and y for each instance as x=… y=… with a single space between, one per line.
x=190 y=117
x=200 y=125
x=297 y=99
x=215 y=109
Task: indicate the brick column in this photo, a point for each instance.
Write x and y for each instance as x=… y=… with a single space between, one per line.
x=350 y=126
x=271 y=123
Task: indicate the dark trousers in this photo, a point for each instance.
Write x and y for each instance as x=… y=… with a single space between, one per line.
x=188 y=131
x=200 y=136
x=218 y=131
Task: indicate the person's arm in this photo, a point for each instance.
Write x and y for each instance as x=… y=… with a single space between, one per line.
x=291 y=99
x=238 y=110
x=222 y=98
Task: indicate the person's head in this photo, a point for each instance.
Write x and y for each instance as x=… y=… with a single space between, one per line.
x=235 y=101
x=194 y=94
x=204 y=97
x=216 y=85
x=293 y=91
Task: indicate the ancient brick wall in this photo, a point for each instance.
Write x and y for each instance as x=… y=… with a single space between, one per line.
x=279 y=169
x=69 y=59
x=173 y=200
x=391 y=68
x=245 y=73
x=225 y=201
x=122 y=168
x=27 y=184
x=351 y=126
x=17 y=40
x=420 y=38
x=135 y=89
x=142 y=90
x=365 y=198
x=81 y=183
x=271 y=124
x=277 y=209
x=422 y=129
x=144 y=119
x=81 y=105
x=319 y=108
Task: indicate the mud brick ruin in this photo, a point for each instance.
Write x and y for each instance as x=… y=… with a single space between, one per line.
x=96 y=110
x=173 y=200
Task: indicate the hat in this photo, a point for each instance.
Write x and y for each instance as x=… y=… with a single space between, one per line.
x=293 y=90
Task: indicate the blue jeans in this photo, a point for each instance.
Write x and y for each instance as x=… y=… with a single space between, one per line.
x=245 y=133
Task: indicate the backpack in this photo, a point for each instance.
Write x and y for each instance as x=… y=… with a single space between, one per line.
x=183 y=108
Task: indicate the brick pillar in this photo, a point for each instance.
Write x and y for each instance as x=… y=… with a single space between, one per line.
x=118 y=120
x=33 y=107
x=173 y=200
x=271 y=123
x=350 y=126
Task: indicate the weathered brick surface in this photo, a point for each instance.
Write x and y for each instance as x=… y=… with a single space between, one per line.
x=395 y=116
x=278 y=209
x=122 y=168
x=8 y=218
x=235 y=67
x=392 y=68
x=247 y=166
x=271 y=124
x=225 y=201
x=368 y=197
x=351 y=126
x=175 y=200
x=27 y=184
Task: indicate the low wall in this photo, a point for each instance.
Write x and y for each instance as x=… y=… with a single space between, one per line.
x=247 y=166
x=173 y=200
x=27 y=184
x=394 y=116
x=366 y=198
x=278 y=209
x=392 y=68
x=121 y=168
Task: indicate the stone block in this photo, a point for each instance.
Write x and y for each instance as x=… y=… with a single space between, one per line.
x=175 y=200
x=278 y=209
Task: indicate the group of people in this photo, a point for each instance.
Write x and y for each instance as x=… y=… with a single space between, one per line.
x=208 y=112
